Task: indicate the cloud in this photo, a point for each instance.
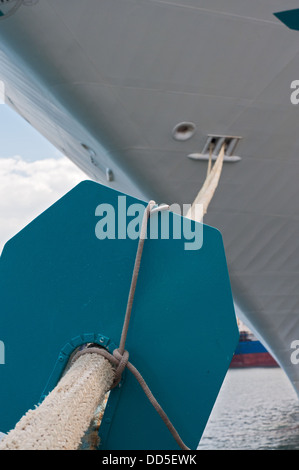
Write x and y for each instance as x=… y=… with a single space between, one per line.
x=28 y=188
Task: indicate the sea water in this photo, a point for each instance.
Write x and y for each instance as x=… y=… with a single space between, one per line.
x=256 y=409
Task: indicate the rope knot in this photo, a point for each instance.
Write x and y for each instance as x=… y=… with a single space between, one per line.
x=123 y=360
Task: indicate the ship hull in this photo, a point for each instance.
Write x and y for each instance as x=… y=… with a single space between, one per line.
x=252 y=354
x=107 y=82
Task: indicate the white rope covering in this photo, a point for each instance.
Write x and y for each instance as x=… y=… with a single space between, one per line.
x=61 y=420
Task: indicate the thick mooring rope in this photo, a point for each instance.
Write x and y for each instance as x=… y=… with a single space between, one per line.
x=63 y=417
x=209 y=187
x=61 y=420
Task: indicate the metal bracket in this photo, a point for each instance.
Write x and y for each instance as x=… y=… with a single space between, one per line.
x=66 y=353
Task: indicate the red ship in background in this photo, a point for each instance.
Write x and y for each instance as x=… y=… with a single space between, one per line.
x=250 y=352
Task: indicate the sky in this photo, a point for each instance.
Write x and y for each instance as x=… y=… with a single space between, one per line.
x=33 y=174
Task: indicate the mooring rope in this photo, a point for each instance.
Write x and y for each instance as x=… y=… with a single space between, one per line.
x=209 y=187
x=61 y=420
x=54 y=424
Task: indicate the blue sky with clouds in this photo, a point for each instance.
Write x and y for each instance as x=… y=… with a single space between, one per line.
x=18 y=137
x=33 y=174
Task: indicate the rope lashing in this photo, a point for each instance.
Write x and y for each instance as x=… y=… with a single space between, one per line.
x=120 y=357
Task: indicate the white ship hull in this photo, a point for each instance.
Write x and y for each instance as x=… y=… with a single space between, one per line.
x=107 y=82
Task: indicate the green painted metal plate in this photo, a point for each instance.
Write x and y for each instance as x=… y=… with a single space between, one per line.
x=60 y=287
x=290 y=18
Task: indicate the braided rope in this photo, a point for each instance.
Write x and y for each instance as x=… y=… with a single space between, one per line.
x=61 y=420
